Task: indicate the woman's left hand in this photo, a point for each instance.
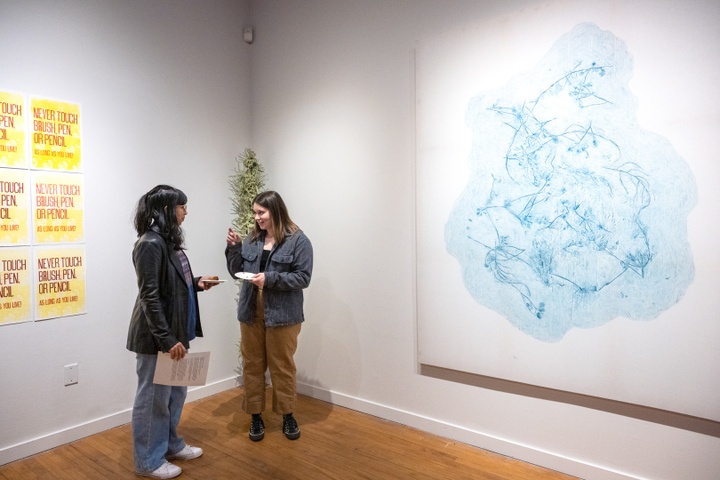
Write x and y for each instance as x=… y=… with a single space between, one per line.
x=258 y=280
x=178 y=351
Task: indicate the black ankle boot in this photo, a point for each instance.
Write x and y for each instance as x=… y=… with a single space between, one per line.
x=290 y=427
x=257 y=428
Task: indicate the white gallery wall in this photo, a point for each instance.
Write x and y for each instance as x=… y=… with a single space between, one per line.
x=163 y=89
x=605 y=300
x=326 y=97
x=334 y=111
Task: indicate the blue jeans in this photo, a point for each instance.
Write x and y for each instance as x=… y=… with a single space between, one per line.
x=155 y=417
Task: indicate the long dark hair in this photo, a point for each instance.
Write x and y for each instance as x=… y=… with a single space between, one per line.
x=282 y=224
x=156 y=210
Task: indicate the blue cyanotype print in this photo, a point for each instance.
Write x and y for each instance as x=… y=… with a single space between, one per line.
x=572 y=215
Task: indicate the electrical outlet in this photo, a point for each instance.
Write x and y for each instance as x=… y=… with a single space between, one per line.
x=71 y=374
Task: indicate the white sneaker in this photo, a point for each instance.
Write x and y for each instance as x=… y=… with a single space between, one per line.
x=166 y=470
x=187 y=453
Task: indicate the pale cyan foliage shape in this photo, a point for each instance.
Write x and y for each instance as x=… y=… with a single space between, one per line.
x=572 y=215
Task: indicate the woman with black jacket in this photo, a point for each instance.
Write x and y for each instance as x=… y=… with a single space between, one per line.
x=165 y=318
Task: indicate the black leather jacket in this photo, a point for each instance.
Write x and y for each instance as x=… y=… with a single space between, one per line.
x=160 y=316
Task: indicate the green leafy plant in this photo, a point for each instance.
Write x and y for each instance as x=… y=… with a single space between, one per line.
x=247 y=180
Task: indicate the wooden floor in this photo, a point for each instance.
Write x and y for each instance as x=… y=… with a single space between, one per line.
x=336 y=443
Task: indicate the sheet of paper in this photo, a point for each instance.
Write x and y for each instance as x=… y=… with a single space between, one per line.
x=190 y=371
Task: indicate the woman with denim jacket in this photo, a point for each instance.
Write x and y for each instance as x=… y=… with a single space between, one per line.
x=276 y=261
x=165 y=318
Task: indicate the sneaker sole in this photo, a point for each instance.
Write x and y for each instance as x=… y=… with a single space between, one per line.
x=182 y=457
x=150 y=475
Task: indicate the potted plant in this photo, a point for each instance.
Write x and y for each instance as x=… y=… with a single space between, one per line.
x=247 y=180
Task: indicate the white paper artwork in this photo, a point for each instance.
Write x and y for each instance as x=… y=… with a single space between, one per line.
x=563 y=222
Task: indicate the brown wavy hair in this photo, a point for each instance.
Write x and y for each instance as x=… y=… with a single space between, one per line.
x=282 y=224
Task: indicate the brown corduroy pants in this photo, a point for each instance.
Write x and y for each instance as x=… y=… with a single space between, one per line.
x=268 y=347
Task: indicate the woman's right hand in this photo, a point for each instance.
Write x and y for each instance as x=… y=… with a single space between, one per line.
x=233 y=238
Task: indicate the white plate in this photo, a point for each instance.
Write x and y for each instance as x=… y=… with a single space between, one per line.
x=244 y=275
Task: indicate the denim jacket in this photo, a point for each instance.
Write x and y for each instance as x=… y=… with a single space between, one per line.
x=287 y=273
